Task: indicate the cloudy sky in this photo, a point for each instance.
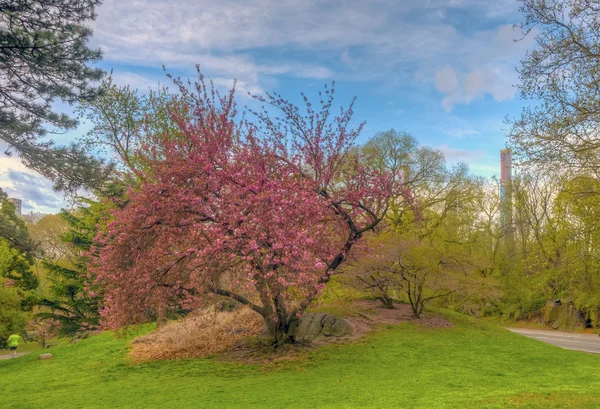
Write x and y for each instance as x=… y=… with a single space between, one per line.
x=443 y=70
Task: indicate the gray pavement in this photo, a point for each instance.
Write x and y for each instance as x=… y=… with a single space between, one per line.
x=568 y=340
x=10 y=355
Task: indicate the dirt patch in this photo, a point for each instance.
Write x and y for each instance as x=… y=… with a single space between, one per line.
x=368 y=315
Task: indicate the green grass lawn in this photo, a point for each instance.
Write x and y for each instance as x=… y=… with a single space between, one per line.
x=474 y=364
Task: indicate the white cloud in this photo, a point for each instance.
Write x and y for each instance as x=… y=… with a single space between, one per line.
x=489 y=68
x=376 y=40
x=34 y=190
x=497 y=81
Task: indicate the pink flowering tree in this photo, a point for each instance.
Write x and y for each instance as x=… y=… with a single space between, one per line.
x=260 y=212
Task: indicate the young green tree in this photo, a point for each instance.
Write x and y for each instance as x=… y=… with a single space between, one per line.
x=422 y=268
x=432 y=250
x=117 y=118
x=43 y=58
x=399 y=152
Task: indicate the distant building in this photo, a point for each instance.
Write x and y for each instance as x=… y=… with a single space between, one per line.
x=505 y=191
x=505 y=173
x=17 y=203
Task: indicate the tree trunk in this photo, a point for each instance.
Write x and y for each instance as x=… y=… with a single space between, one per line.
x=161 y=319
x=43 y=339
x=387 y=301
x=281 y=330
x=418 y=310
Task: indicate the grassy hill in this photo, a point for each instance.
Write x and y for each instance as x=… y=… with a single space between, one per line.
x=473 y=364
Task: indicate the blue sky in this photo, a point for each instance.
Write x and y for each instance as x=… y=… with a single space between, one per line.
x=443 y=70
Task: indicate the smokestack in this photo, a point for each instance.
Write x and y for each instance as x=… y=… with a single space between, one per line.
x=505 y=189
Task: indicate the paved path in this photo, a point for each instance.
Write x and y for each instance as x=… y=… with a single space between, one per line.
x=10 y=355
x=568 y=340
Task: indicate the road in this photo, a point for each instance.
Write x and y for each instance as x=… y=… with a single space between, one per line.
x=10 y=355
x=568 y=340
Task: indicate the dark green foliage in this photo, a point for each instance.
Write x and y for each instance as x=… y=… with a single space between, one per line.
x=16 y=247
x=17 y=281
x=70 y=301
x=44 y=57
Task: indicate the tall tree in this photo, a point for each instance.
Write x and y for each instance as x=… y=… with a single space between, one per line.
x=263 y=213
x=400 y=153
x=43 y=58
x=562 y=75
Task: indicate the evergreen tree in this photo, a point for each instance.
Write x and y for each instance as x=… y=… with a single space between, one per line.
x=72 y=301
x=44 y=57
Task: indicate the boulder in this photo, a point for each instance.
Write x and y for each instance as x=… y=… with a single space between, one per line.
x=44 y=357
x=563 y=315
x=314 y=325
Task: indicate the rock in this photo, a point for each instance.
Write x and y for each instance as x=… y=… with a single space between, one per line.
x=44 y=357
x=563 y=315
x=314 y=325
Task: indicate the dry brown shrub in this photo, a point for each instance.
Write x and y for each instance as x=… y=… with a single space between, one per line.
x=199 y=334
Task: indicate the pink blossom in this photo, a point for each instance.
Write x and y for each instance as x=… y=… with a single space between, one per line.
x=226 y=211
